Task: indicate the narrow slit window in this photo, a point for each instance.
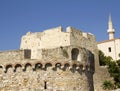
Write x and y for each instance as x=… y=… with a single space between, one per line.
x=45 y=85
x=109 y=49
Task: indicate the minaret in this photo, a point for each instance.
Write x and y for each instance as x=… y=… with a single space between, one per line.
x=110 y=30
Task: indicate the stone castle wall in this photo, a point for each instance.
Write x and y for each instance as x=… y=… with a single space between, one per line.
x=14 y=56
x=46 y=76
x=11 y=56
x=82 y=39
x=56 y=71
x=52 y=60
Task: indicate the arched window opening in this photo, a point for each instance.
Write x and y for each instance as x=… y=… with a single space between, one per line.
x=48 y=66
x=17 y=67
x=74 y=54
x=28 y=67
x=109 y=49
x=38 y=66
x=58 y=66
x=8 y=67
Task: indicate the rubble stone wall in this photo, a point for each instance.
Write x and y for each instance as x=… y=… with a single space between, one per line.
x=46 y=77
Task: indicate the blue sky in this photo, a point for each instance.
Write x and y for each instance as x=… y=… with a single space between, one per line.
x=17 y=17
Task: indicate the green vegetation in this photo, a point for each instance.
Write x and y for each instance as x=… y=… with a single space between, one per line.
x=108 y=85
x=113 y=68
x=104 y=60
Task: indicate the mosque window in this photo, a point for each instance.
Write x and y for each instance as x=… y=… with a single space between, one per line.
x=109 y=49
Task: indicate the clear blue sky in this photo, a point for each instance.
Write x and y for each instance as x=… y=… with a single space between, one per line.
x=20 y=16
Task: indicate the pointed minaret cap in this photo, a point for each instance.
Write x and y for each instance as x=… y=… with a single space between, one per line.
x=110 y=30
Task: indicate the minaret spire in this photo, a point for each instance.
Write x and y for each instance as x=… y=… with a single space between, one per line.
x=111 y=30
x=110 y=18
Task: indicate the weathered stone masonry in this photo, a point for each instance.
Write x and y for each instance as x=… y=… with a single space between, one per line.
x=65 y=77
x=68 y=65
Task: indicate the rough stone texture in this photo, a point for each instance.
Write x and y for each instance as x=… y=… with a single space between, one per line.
x=52 y=60
x=55 y=72
x=56 y=37
x=56 y=79
x=99 y=77
x=12 y=55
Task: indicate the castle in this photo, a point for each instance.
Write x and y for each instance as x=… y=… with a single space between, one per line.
x=52 y=60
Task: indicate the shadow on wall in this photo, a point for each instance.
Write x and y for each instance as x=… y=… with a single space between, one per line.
x=86 y=57
x=90 y=73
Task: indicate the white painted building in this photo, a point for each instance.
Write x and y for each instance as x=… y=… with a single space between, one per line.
x=110 y=47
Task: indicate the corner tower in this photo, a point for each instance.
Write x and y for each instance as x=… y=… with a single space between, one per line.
x=110 y=30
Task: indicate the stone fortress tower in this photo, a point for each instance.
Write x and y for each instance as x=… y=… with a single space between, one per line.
x=52 y=60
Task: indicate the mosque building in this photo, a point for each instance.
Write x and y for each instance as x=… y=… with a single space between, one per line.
x=110 y=47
